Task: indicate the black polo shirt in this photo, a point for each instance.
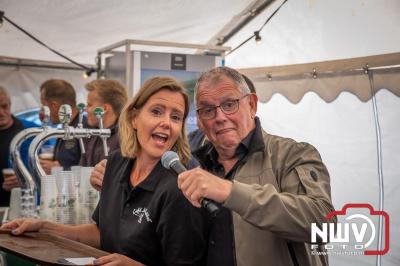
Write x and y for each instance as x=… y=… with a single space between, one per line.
x=221 y=248
x=68 y=152
x=153 y=222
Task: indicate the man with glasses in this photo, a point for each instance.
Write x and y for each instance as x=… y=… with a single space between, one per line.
x=270 y=189
x=197 y=137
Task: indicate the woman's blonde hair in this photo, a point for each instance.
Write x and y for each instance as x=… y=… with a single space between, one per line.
x=128 y=136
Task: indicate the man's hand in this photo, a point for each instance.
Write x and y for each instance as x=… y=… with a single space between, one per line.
x=197 y=184
x=10 y=182
x=96 y=177
x=115 y=260
x=48 y=164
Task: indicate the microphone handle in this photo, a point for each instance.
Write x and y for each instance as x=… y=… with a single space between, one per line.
x=210 y=205
x=178 y=167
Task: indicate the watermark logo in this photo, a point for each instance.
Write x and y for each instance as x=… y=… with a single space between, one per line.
x=355 y=233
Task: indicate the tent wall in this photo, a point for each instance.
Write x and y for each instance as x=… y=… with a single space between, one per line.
x=333 y=111
x=23 y=84
x=344 y=133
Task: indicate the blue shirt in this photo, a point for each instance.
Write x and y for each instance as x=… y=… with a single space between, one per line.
x=68 y=152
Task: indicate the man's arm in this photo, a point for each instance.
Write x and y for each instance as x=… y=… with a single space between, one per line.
x=301 y=200
x=304 y=196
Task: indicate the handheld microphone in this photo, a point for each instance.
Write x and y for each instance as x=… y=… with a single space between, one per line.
x=170 y=160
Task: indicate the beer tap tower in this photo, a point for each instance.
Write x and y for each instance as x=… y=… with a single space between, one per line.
x=26 y=179
x=66 y=133
x=99 y=113
x=81 y=109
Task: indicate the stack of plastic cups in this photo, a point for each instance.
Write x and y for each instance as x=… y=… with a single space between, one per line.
x=76 y=172
x=48 y=198
x=28 y=204
x=66 y=199
x=56 y=172
x=89 y=196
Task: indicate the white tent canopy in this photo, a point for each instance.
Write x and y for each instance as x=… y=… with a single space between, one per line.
x=318 y=30
x=303 y=31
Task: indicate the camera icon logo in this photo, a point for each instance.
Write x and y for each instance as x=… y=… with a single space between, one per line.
x=355 y=233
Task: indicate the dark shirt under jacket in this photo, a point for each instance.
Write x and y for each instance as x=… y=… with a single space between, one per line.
x=68 y=152
x=152 y=223
x=6 y=137
x=94 y=148
x=196 y=140
x=221 y=247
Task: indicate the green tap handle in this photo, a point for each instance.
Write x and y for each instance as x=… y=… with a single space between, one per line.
x=81 y=106
x=98 y=111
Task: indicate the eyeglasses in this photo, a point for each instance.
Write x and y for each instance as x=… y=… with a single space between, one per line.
x=228 y=107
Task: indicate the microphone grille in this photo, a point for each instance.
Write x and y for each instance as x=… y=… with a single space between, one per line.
x=168 y=158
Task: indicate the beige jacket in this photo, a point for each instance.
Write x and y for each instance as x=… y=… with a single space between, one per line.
x=280 y=190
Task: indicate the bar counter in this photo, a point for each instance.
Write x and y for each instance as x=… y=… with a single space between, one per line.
x=44 y=248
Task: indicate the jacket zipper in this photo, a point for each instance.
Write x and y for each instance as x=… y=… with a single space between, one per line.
x=241 y=163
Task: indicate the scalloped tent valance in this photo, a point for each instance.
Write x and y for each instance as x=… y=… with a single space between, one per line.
x=329 y=79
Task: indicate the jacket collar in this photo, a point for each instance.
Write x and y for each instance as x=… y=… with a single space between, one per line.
x=257 y=141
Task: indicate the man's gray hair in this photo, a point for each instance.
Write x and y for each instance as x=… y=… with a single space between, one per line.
x=214 y=76
x=4 y=91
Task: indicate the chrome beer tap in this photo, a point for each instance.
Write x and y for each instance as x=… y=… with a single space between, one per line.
x=66 y=133
x=81 y=109
x=27 y=180
x=99 y=113
x=64 y=115
x=25 y=177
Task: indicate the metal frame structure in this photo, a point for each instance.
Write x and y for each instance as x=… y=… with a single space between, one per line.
x=128 y=44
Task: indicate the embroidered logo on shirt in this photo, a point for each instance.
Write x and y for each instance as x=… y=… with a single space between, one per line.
x=142 y=212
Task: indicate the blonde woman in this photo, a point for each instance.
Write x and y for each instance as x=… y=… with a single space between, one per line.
x=142 y=216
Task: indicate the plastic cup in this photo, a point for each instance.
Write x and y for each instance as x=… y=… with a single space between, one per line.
x=15 y=204
x=7 y=172
x=46 y=156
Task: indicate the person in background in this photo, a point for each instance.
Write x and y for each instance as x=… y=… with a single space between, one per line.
x=111 y=96
x=270 y=189
x=9 y=127
x=54 y=93
x=142 y=217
